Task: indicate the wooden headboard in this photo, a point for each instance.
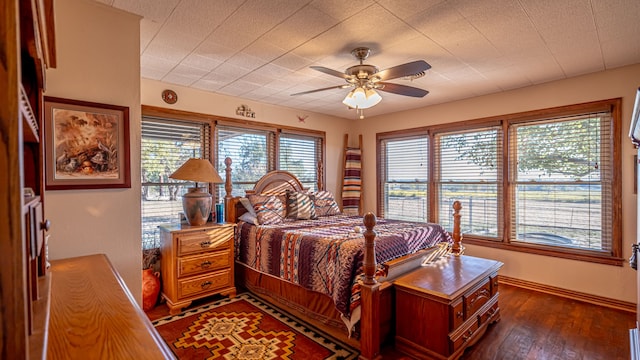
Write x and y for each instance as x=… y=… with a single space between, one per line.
x=276 y=182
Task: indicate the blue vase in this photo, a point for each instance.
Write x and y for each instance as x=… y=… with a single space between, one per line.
x=220 y=213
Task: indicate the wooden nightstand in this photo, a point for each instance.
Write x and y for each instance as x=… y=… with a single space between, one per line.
x=197 y=261
x=446 y=306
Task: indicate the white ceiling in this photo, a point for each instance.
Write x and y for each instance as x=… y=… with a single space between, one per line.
x=262 y=49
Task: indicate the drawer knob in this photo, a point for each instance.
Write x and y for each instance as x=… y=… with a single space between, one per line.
x=205 y=284
x=459 y=314
x=205 y=264
x=205 y=244
x=467 y=335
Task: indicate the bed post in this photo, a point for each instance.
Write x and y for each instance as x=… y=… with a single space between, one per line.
x=370 y=296
x=320 y=176
x=457 y=248
x=228 y=188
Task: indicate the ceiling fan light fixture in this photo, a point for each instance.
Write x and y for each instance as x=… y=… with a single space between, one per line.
x=359 y=98
x=373 y=98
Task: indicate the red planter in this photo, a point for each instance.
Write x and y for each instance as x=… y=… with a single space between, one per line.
x=150 y=288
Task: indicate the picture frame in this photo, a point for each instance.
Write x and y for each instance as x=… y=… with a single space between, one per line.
x=86 y=145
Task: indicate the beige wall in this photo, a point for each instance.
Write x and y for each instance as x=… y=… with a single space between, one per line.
x=98 y=61
x=603 y=280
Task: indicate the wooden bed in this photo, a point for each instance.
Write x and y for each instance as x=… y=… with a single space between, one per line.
x=377 y=313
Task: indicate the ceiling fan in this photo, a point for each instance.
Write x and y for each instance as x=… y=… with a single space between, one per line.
x=365 y=79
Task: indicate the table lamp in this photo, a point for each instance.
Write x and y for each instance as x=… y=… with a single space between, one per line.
x=196 y=203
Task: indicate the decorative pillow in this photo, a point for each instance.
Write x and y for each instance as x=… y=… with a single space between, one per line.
x=325 y=204
x=247 y=205
x=249 y=218
x=300 y=206
x=269 y=209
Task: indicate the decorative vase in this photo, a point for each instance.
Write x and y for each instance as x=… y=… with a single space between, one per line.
x=197 y=206
x=150 y=288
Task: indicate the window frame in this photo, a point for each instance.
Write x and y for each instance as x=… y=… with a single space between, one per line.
x=614 y=106
x=402 y=135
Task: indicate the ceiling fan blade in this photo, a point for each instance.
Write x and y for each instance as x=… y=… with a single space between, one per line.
x=402 y=89
x=330 y=71
x=407 y=69
x=323 y=89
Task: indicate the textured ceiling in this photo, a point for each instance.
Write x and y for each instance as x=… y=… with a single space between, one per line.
x=262 y=49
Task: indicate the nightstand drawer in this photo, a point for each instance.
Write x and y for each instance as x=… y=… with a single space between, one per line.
x=197 y=264
x=204 y=284
x=201 y=241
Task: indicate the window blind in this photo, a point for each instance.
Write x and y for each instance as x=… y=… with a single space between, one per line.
x=166 y=145
x=404 y=170
x=252 y=152
x=468 y=169
x=562 y=174
x=300 y=155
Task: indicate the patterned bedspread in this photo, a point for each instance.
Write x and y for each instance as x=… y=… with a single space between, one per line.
x=326 y=254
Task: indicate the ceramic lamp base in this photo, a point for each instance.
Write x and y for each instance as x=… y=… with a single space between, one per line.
x=197 y=206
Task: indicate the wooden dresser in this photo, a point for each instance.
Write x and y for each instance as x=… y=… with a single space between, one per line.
x=94 y=316
x=446 y=306
x=197 y=261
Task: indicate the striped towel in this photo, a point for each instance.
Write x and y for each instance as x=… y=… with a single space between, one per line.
x=352 y=185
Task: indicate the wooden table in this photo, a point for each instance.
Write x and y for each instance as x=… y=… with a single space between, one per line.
x=94 y=316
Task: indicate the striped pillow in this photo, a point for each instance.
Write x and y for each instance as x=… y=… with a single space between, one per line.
x=269 y=209
x=300 y=206
x=325 y=204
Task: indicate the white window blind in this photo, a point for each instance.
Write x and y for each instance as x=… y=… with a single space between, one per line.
x=166 y=145
x=562 y=175
x=404 y=170
x=300 y=155
x=468 y=169
x=252 y=152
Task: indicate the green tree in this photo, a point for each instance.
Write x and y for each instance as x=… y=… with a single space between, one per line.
x=570 y=148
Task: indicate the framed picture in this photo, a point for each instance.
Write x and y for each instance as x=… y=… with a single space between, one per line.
x=86 y=146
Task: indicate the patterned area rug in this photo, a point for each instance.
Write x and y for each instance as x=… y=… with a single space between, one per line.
x=246 y=328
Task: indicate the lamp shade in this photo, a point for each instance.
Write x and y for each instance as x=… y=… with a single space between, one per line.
x=360 y=98
x=198 y=170
x=197 y=203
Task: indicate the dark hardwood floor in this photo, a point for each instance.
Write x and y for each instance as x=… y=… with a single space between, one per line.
x=540 y=326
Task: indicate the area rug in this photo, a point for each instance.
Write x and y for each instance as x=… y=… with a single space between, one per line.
x=246 y=328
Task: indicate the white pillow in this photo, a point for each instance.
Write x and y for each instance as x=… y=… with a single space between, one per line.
x=249 y=218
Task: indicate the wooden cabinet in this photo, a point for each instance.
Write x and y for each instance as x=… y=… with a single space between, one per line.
x=197 y=261
x=27 y=48
x=446 y=306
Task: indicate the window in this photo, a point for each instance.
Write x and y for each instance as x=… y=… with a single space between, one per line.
x=469 y=170
x=251 y=151
x=539 y=182
x=166 y=145
x=562 y=182
x=300 y=155
x=405 y=172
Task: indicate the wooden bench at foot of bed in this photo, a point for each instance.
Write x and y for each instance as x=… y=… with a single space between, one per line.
x=446 y=306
